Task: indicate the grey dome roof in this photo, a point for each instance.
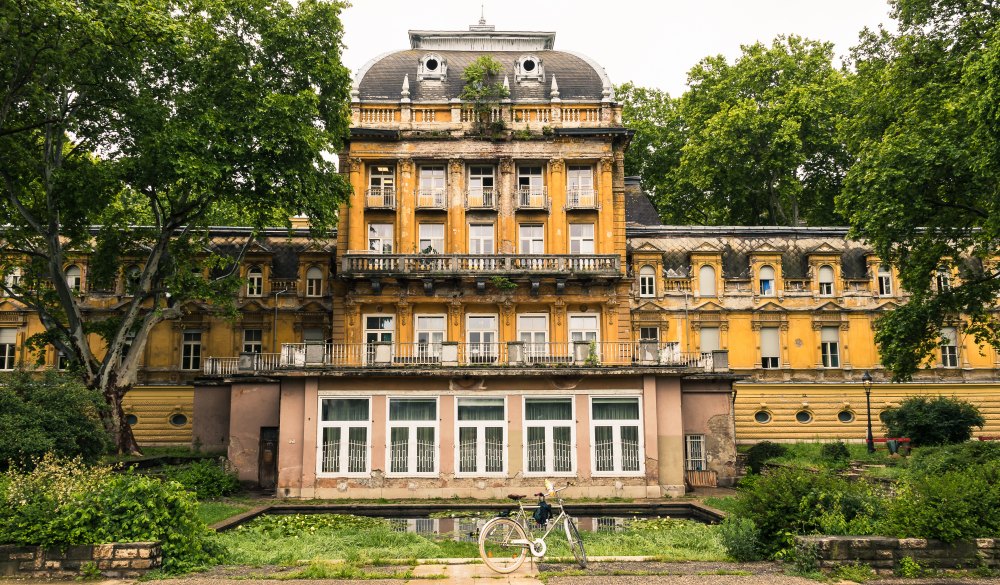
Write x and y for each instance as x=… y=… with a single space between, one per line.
x=577 y=77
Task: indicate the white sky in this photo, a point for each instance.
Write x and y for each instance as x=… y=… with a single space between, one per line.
x=651 y=43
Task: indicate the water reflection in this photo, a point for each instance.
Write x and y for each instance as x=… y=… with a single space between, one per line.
x=467 y=529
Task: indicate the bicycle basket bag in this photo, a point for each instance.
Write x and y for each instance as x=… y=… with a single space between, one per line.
x=543 y=512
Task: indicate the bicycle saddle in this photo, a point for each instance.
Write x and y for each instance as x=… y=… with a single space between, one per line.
x=516 y=497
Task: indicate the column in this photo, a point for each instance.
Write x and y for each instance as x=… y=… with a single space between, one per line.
x=506 y=222
x=605 y=236
x=406 y=231
x=455 y=229
x=356 y=211
x=557 y=238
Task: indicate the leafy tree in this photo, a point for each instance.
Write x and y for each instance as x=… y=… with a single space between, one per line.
x=933 y=421
x=749 y=143
x=149 y=119
x=484 y=88
x=925 y=188
x=52 y=413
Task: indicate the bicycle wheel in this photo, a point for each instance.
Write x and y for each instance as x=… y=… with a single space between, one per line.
x=496 y=547
x=575 y=543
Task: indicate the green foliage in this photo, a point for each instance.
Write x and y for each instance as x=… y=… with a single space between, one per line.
x=278 y=525
x=741 y=539
x=761 y=453
x=48 y=413
x=835 y=455
x=909 y=568
x=924 y=187
x=955 y=505
x=206 y=478
x=857 y=572
x=804 y=559
x=64 y=502
x=89 y=572
x=787 y=501
x=754 y=142
x=956 y=457
x=502 y=283
x=484 y=89
x=933 y=421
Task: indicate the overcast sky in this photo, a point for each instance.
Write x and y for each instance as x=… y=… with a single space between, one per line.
x=653 y=43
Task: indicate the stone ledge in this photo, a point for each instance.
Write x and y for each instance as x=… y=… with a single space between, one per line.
x=114 y=560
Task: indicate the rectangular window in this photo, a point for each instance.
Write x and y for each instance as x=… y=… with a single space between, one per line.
x=252 y=340
x=649 y=334
x=709 y=339
x=314 y=282
x=943 y=279
x=431 y=192
x=531 y=187
x=695 y=451
x=949 y=347
x=580 y=186
x=770 y=348
x=481 y=336
x=830 y=346
x=429 y=333
x=431 y=238
x=481 y=238
x=581 y=238
x=8 y=346
x=548 y=435
x=313 y=335
x=533 y=332
x=584 y=328
x=482 y=435
x=532 y=238
x=884 y=281
x=615 y=428
x=191 y=350
x=62 y=361
x=647 y=282
x=413 y=428
x=379 y=329
x=380 y=238
x=381 y=187
x=255 y=282
x=482 y=192
x=344 y=436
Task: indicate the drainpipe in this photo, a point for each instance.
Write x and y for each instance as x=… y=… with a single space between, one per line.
x=274 y=324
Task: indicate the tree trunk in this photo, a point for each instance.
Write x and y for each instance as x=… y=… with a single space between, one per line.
x=115 y=423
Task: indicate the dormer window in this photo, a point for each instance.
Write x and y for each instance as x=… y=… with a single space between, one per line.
x=432 y=66
x=529 y=68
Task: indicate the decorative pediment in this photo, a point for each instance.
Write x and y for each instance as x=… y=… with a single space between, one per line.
x=823 y=249
x=830 y=306
x=770 y=307
x=647 y=247
x=313 y=307
x=709 y=306
x=766 y=250
x=706 y=248
x=252 y=305
x=650 y=307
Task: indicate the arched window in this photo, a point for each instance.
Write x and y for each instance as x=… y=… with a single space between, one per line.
x=706 y=281
x=314 y=282
x=74 y=278
x=825 y=281
x=647 y=281
x=884 y=280
x=132 y=274
x=766 y=278
x=255 y=282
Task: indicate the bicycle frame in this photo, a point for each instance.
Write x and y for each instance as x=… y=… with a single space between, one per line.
x=537 y=547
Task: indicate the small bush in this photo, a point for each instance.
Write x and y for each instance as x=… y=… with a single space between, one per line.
x=741 y=539
x=64 y=502
x=835 y=454
x=909 y=568
x=761 y=453
x=857 y=572
x=938 y=460
x=933 y=421
x=207 y=478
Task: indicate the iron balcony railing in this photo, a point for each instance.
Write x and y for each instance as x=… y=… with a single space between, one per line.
x=485 y=198
x=532 y=198
x=380 y=198
x=366 y=265
x=581 y=198
x=515 y=354
x=431 y=199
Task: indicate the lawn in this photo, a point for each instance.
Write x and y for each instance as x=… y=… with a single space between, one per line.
x=880 y=464
x=212 y=511
x=289 y=540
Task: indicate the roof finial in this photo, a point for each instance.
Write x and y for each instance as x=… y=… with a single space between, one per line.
x=482 y=26
x=482 y=14
x=405 y=93
x=554 y=94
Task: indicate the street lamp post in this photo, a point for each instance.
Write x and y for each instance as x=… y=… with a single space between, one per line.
x=866 y=380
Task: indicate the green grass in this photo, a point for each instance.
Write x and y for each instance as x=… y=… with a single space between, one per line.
x=289 y=542
x=726 y=503
x=212 y=511
x=807 y=455
x=327 y=570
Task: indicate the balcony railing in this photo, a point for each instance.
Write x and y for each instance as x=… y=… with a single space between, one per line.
x=380 y=198
x=431 y=199
x=532 y=198
x=481 y=199
x=581 y=198
x=362 y=264
x=512 y=354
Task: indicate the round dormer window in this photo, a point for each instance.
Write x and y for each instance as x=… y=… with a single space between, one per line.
x=528 y=65
x=431 y=64
x=530 y=68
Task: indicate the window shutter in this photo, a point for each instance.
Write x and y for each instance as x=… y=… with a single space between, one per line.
x=769 y=346
x=706 y=281
x=830 y=335
x=709 y=338
x=8 y=335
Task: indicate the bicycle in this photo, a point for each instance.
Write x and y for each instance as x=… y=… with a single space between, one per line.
x=504 y=541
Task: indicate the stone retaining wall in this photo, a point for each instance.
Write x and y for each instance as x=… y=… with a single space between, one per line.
x=116 y=560
x=883 y=554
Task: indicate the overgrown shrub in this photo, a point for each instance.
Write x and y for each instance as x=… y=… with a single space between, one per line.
x=48 y=413
x=787 y=501
x=835 y=455
x=938 y=460
x=207 y=478
x=933 y=421
x=64 y=502
x=950 y=506
x=761 y=453
x=741 y=539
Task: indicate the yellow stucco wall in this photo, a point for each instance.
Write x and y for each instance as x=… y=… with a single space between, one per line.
x=154 y=407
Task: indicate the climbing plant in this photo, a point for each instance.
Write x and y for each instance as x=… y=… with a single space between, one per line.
x=484 y=89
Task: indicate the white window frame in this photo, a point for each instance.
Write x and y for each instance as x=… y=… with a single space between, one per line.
x=943 y=279
x=706 y=286
x=481 y=426
x=253 y=345
x=369 y=347
x=74 y=278
x=487 y=194
x=532 y=347
x=255 y=281
x=8 y=349
x=580 y=190
x=596 y=330
x=494 y=344
x=432 y=184
x=549 y=425
x=13 y=278
x=314 y=281
x=647 y=282
x=830 y=350
x=412 y=426
x=379 y=179
x=379 y=240
x=528 y=179
x=429 y=347
x=584 y=243
x=949 y=353
x=689 y=461
x=534 y=241
x=345 y=433
x=616 y=426
x=188 y=346
x=884 y=276
x=435 y=242
x=825 y=285
x=769 y=290
x=477 y=242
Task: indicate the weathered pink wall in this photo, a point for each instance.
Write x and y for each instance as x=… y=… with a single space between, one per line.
x=252 y=406
x=291 y=441
x=669 y=437
x=210 y=425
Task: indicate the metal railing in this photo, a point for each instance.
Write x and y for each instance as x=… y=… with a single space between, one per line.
x=581 y=198
x=485 y=198
x=431 y=199
x=380 y=198
x=532 y=198
x=355 y=263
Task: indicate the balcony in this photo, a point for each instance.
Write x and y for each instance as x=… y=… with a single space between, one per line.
x=512 y=354
x=365 y=265
x=431 y=199
x=581 y=198
x=380 y=198
x=532 y=198
x=481 y=199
